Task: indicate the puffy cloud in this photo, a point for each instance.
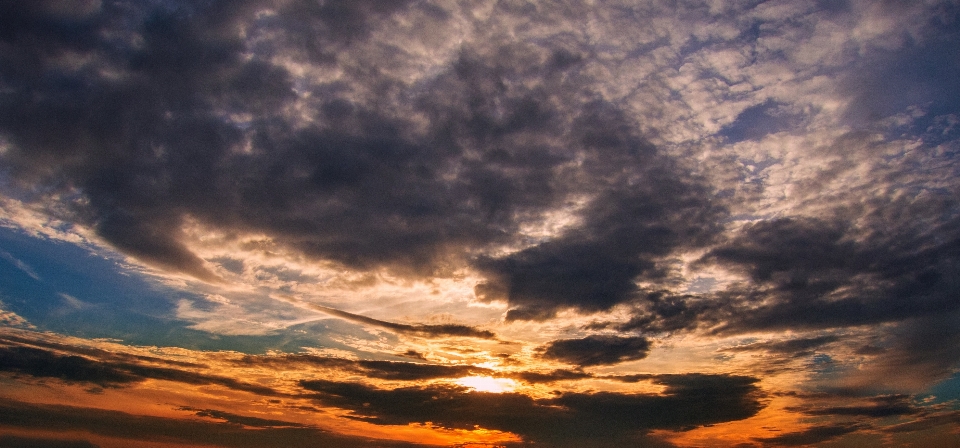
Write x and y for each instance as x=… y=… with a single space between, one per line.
x=597 y=350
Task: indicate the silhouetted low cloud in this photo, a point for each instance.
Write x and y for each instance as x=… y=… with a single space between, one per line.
x=47 y=364
x=878 y=407
x=188 y=431
x=565 y=420
x=10 y=441
x=255 y=422
x=810 y=436
x=387 y=370
x=42 y=363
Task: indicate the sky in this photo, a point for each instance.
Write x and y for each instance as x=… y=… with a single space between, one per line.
x=479 y=223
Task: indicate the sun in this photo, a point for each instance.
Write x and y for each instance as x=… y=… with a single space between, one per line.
x=487 y=384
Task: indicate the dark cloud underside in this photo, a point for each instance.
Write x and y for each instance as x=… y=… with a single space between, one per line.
x=564 y=420
x=133 y=428
x=176 y=117
x=47 y=364
x=597 y=350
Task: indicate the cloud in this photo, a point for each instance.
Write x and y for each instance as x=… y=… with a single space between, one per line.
x=11 y=441
x=152 y=136
x=19 y=264
x=596 y=350
x=387 y=370
x=791 y=347
x=421 y=330
x=883 y=406
x=255 y=422
x=130 y=428
x=811 y=435
x=41 y=363
x=926 y=422
x=819 y=274
x=891 y=80
x=552 y=376
x=558 y=160
x=47 y=364
x=565 y=420
x=755 y=122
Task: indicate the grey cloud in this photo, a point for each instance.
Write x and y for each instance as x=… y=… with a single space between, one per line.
x=792 y=347
x=821 y=276
x=509 y=138
x=918 y=73
x=664 y=311
x=642 y=214
x=755 y=122
x=596 y=350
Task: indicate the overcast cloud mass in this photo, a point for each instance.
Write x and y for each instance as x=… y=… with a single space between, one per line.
x=479 y=223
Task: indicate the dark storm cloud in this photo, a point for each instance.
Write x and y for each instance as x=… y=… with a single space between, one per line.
x=596 y=350
x=567 y=419
x=664 y=311
x=187 y=431
x=316 y=31
x=150 y=132
x=822 y=274
x=646 y=213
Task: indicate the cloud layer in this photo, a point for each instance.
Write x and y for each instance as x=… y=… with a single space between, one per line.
x=650 y=216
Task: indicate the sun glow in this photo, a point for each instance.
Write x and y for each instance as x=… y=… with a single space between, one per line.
x=487 y=384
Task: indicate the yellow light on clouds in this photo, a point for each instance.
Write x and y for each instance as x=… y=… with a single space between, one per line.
x=487 y=384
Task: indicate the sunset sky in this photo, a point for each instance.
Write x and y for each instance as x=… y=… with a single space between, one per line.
x=479 y=223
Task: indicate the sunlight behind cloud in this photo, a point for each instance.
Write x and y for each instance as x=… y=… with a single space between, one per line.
x=487 y=384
